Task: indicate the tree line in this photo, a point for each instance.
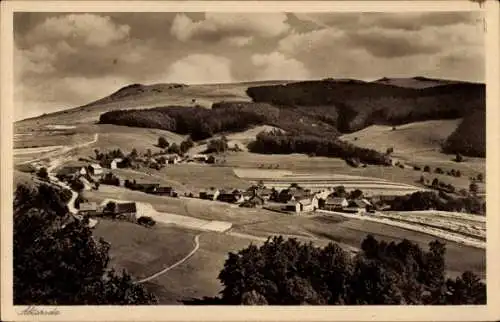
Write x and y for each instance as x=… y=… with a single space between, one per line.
x=287 y=272
x=57 y=261
x=277 y=142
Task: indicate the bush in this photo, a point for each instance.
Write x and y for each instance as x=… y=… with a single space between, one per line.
x=162 y=142
x=43 y=174
x=439 y=171
x=146 y=221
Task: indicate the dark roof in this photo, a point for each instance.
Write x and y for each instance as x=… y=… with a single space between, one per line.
x=69 y=170
x=126 y=207
x=335 y=200
x=357 y=204
x=148 y=185
x=88 y=206
x=164 y=189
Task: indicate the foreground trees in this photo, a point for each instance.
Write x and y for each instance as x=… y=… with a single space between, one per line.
x=57 y=261
x=286 y=272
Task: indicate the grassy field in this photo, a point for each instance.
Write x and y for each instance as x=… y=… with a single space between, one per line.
x=304 y=165
x=144 y=251
x=196 y=177
x=198 y=276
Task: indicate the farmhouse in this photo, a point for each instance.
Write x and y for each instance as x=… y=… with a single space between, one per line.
x=234 y=196
x=172 y=158
x=253 y=202
x=305 y=204
x=88 y=209
x=292 y=194
x=210 y=194
x=95 y=170
x=70 y=172
x=164 y=191
x=335 y=203
x=114 y=164
x=200 y=157
x=127 y=211
x=356 y=206
x=146 y=187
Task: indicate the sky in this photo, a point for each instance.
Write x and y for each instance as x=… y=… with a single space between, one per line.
x=64 y=60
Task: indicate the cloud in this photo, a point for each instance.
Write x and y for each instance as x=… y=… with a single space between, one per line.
x=237 y=26
x=199 y=69
x=275 y=66
x=93 y=30
x=402 y=20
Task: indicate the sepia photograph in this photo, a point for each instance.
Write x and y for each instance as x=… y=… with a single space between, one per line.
x=234 y=158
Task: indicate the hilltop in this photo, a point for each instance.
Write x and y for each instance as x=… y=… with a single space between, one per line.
x=328 y=107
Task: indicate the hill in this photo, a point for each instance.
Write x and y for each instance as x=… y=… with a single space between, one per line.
x=147 y=96
x=353 y=105
x=416 y=82
x=470 y=136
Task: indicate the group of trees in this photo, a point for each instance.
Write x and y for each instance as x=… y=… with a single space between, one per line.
x=110 y=179
x=438 y=170
x=217 y=145
x=58 y=262
x=282 y=143
x=287 y=272
x=174 y=147
x=426 y=200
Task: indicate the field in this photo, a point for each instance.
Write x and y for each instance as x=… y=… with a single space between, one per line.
x=144 y=251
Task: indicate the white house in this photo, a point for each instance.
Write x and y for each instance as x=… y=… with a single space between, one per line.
x=335 y=203
x=114 y=163
x=95 y=169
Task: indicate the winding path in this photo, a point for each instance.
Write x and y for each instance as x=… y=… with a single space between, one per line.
x=166 y=269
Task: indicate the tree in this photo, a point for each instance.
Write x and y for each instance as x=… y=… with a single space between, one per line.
x=427 y=168
x=356 y=194
x=473 y=188
x=422 y=179
x=458 y=174
x=43 y=174
x=439 y=171
x=133 y=154
x=480 y=177
x=339 y=191
x=389 y=150
x=435 y=183
x=466 y=289
x=162 y=142
x=58 y=262
x=186 y=145
x=149 y=153
x=96 y=152
x=174 y=148
x=459 y=157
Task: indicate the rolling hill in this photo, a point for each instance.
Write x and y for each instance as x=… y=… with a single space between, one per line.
x=329 y=107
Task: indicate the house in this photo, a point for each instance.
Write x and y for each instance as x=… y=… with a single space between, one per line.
x=304 y=204
x=210 y=194
x=172 y=158
x=71 y=172
x=200 y=157
x=115 y=163
x=126 y=210
x=234 y=196
x=335 y=203
x=88 y=209
x=253 y=202
x=146 y=187
x=293 y=193
x=165 y=191
x=356 y=206
x=95 y=170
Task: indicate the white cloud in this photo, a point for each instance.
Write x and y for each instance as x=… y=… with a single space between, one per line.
x=199 y=69
x=93 y=30
x=275 y=66
x=238 y=26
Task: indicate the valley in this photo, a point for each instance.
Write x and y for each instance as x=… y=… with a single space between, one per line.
x=180 y=257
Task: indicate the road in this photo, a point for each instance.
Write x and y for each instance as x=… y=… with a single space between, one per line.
x=166 y=269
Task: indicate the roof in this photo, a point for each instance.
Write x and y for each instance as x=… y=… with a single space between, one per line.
x=96 y=166
x=335 y=201
x=356 y=204
x=164 y=189
x=125 y=207
x=305 y=201
x=88 y=206
x=148 y=185
x=117 y=160
x=69 y=170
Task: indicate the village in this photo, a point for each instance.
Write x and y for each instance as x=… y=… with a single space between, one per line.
x=90 y=174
